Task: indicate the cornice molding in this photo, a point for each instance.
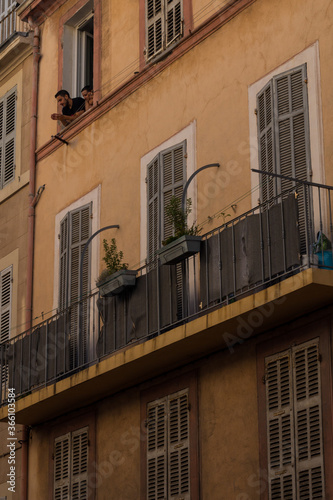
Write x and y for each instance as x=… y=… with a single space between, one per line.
x=148 y=73
x=39 y=10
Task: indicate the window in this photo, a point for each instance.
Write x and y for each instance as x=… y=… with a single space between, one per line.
x=7 y=19
x=283 y=136
x=7 y=137
x=75 y=230
x=170 y=450
x=71 y=465
x=168 y=447
x=166 y=176
x=6 y=279
x=294 y=423
x=78 y=50
x=164 y=25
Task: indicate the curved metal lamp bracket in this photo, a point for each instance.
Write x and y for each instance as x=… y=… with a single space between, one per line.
x=190 y=179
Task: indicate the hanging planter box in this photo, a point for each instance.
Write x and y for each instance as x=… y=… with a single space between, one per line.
x=116 y=283
x=180 y=249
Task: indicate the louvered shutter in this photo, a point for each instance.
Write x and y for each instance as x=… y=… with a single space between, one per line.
x=308 y=422
x=173 y=168
x=292 y=135
x=79 y=232
x=6 y=277
x=157 y=450
x=153 y=207
x=63 y=274
x=178 y=447
x=8 y=138
x=174 y=20
x=62 y=466
x=280 y=438
x=154 y=27
x=266 y=142
x=2 y=106
x=79 y=486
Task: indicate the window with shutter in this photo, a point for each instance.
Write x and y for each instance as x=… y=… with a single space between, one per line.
x=283 y=136
x=75 y=229
x=166 y=176
x=164 y=25
x=71 y=466
x=294 y=424
x=168 y=449
x=7 y=137
x=6 y=278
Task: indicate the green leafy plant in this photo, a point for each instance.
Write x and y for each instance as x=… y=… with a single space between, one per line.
x=112 y=258
x=178 y=219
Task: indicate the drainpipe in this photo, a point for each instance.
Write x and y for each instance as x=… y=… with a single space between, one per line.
x=31 y=229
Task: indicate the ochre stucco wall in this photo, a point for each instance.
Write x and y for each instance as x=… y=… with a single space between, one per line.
x=227 y=433
x=213 y=94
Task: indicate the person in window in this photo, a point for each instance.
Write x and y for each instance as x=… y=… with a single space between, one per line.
x=88 y=96
x=71 y=108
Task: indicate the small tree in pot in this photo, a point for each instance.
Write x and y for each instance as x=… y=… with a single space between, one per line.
x=116 y=276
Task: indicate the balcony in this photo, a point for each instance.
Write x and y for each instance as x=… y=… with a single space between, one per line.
x=10 y=24
x=266 y=248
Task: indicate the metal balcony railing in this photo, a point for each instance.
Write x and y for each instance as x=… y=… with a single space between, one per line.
x=253 y=251
x=10 y=23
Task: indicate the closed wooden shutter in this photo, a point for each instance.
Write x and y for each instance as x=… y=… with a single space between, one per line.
x=79 y=232
x=292 y=136
x=281 y=448
x=168 y=450
x=166 y=175
x=266 y=142
x=75 y=230
x=157 y=450
x=153 y=207
x=62 y=467
x=178 y=447
x=308 y=422
x=63 y=274
x=284 y=138
x=7 y=137
x=71 y=466
x=6 y=278
x=294 y=424
x=173 y=167
x=79 y=487
x=174 y=20
x=154 y=27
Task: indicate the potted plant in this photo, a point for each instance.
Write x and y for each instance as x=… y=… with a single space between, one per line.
x=116 y=277
x=186 y=240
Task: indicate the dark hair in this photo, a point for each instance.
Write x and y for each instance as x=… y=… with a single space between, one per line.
x=63 y=93
x=88 y=88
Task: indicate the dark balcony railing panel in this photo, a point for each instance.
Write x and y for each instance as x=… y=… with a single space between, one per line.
x=140 y=312
x=249 y=253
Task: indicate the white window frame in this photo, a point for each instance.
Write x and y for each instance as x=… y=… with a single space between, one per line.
x=188 y=134
x=94 y=198
x=74 y=47
x=310 y=56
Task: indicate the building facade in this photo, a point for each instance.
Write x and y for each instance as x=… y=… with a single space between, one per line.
x=209 y=375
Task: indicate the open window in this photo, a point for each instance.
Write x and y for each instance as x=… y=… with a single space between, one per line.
x=78 y=50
